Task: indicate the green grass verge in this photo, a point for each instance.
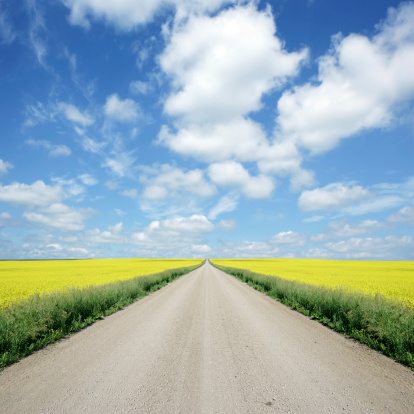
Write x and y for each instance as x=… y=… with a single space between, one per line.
x=31 y=324
x=375 y=321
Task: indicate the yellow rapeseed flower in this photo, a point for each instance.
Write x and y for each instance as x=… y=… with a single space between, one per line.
x=22 y=279
x=393 y=280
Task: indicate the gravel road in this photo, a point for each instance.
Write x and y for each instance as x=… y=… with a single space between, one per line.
x=206 y=343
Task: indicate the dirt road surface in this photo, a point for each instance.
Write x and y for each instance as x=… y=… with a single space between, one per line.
x=206 y=343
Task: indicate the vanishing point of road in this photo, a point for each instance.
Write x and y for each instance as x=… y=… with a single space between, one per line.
x=206 y=343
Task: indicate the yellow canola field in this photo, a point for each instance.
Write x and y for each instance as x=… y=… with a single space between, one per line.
x=22 y=279
x=393 y=280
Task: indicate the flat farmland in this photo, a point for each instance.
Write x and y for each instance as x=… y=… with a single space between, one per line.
x=20 y=280
x=393 y=280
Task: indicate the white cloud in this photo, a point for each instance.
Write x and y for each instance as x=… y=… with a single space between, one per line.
x=70 y=239
x=73 y=114
x=258 y=187
x=246 y=249
x=398 y=247
x=127 y=14
x=53 y=250
x=120 y=212
x=139 y=87
x=60 y=216
x=60 y=151
x=332 y=196
x=7 y=34
x=54 y=150
x=167 y=180
x=155 y=192
x=191 y=7
x=31 y=195
x=125 y=110
x=93 y=146
x=4 y=218
x=226 y=204
x=69 y=186
x=403 y=216
x=301 y=178
x=231 y=173
x=173 y=235
x=142 y=57
x=117 y=228
x=227 y=225
x=238 y=138
x=200 y=248
x=287 y=244
x=112 y=185
x=132 y=193
x=221 y=66
x=88 y=179
x=194 y=224
x=78 y=251
x=289 y=237
x=404 y=189
x=54 y=247
x=121 y=164
x=283 y=158
x=350 y=96
x=178 y=226
x=356 y=200
x=110 y=236
x=37 y=32
x=379 y=203
x=385 y=196
x=342 y=229
x=313 y=219
x=5 y=166
x=123 y=14
x=38 y=113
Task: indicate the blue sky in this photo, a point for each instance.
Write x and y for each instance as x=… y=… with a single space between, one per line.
x=207 y=128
